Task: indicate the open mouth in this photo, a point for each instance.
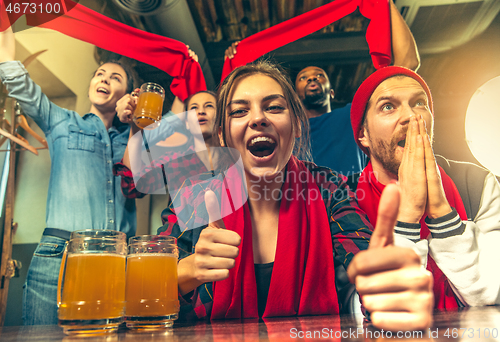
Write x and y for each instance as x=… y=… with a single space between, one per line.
x=312 y=86
x=402 y=142
x=102 y=90
x=261 y=146
x=202 y=121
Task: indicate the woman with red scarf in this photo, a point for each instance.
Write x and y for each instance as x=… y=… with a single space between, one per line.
x=286 y=251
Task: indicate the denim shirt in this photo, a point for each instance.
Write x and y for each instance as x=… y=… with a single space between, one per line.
x=83 y=192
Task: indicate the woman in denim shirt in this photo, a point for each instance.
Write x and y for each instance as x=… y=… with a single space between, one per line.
x=83 y=192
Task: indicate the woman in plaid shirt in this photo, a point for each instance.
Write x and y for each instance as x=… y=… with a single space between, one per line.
x=189 y=161
x=287 y=250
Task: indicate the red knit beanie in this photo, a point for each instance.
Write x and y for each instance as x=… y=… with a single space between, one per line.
x=366 y=89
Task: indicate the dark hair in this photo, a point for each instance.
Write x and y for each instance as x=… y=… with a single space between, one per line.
x=186 y=101
x=296 y=109
x=128 y=71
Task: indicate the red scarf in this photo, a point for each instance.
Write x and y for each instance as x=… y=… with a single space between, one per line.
x=378 y=33
x=303 y=277
x=368 y=192
x=86 y=25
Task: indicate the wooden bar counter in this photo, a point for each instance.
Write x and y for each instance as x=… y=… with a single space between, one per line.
x=470 y=324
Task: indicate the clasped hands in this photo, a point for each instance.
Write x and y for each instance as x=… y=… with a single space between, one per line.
x=419 y=178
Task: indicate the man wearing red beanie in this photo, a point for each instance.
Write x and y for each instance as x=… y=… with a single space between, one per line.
x=392 y=121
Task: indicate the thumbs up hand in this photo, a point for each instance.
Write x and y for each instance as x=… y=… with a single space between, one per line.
x=217 y=247
x=394 y=288
x=215 y=251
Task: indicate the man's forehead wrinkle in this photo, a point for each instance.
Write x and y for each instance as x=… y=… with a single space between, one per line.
x=396 y=95
x=390 y=90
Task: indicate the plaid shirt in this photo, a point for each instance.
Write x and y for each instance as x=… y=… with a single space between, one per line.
x=349 y=226
x=177 y=169
x=181 y=171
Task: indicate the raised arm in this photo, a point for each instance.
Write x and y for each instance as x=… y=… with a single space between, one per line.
x=7 y=45
x=136 y=175
x=404 y=48
x=21 y=87
x=125 y=111
x=177 y=106
x=132 y=167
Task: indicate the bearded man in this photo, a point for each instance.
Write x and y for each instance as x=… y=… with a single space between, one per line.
x=392 y=118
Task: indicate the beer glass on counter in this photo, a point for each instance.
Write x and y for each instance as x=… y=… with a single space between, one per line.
x=149 y=106
x=151 y=297
x=91 y=288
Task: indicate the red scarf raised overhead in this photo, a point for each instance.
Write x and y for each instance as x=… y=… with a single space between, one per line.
x=378 y=33
x=89 y=26
x=303 y=277
x=368 y=192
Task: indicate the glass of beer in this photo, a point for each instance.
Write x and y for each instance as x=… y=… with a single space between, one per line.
x=149 y=106
x=151 y=297
x=91 y=288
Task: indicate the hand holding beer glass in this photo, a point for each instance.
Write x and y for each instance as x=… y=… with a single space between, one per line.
x=149 y=106
x=151 y=287
x=91 y=287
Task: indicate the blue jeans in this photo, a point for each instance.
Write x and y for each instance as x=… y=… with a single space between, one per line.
x=40 y=288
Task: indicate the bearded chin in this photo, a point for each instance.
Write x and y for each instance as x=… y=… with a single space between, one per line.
x=313 y=101
x=392 y=166
x=386 y=155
